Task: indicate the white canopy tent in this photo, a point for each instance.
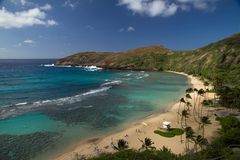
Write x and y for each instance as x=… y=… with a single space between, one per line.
x=165 y=124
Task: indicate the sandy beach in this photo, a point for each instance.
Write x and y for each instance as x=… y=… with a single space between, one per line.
x=145 y=128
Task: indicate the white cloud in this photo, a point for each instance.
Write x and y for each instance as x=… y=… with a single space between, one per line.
x=29 y=41
x=71 y=4
x=51 y=22
x=199 y=4
x=89 y=27
x=22 y=2
x=150 y=7
x=130 y=29
x=35 y=16
x=46 y=7
x=165 y=8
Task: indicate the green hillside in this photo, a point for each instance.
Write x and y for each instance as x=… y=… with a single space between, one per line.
x=224 y=54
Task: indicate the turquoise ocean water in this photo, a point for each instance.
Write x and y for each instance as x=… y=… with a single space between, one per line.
x=44 y=106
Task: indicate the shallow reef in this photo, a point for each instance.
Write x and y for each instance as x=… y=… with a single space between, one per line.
x=25 y=147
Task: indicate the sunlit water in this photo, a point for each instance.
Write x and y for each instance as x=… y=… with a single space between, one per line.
x=69 y=104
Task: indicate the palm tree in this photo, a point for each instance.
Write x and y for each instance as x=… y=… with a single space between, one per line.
x=207 y=93
x=188 y=104
x=189 y=90
x=178 y=113
x=201 y=141
x=121 y=145
x=204 y=121
x=147 y=144
x=185 y=115
x=206 y=84
x=195 y=90
x=201 y=92
x=188 y=96
x=189 y=133
x=195 y=102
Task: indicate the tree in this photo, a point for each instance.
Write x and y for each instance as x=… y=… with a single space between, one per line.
x=189 y=136
x=185 y=115
x=178 y=113
x=121 y=145
x=188 y=96
x=189 y=90
x=188 y=104
x=229 y=96
x=168 y=127
x=206 y=84
x=147 y=144
x=201 y=141
x=195 y=102
x=204 y=121
x=201 y=92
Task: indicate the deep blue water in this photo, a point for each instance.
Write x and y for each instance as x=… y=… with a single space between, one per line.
x=72 y=101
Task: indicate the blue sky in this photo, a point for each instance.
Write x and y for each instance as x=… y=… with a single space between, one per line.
x=57 y=28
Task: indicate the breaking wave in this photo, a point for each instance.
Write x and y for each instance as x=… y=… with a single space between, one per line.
x=90 y=68
x=112 y=83
x=20 y=108
x=48 y=65
x=21 y=104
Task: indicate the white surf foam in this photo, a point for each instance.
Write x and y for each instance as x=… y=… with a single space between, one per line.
x=90 y=106
x=53 y=65
x=24 y=107
x=21 y=104
x=49 y=65
x=67 y=66
x=128 y=75
x=141 y=76
x=91 y=68
x=112 y=83
x=96 y=91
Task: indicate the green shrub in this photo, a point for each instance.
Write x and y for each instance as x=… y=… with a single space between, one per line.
x=164 y=134
x=232 y=136
x=228 y=123
x=170 y=133
x=177 y=131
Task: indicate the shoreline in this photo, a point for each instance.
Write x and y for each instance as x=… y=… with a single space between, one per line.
x=146 y=126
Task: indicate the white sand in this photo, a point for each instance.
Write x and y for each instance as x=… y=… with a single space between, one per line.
x=146 y=128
